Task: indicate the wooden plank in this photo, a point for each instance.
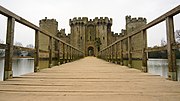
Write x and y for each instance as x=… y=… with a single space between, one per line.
x=89 y=79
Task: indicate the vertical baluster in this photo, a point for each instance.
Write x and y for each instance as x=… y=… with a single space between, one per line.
x=50 y=51
x=36 y=58
x=129 y=53
x=172 y=75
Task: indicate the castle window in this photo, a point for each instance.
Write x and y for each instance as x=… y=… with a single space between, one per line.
x=90 y=38
x=81 y=37
x=98 y=49
x=103 y=38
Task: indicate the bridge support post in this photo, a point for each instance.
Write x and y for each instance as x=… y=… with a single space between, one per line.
x=121 y=53
x=36 y=59
x=144 y=54
x=109 y=54
x=50 y=51
x=8 y=73
x=67 y=54
x=58 y=55
x=116 y=53
x=129 y=53
x=172 y=74
x=112 y=53
x=71 y=53
x=106 y=51
x=63 y=52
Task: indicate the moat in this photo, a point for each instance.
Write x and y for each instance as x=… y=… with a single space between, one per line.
x=26 y=65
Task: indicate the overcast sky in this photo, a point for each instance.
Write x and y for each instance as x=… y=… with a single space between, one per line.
x=63 y=10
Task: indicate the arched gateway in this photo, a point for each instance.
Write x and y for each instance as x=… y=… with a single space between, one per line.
x=90 y=51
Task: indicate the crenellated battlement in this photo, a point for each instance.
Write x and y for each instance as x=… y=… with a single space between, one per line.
x=134 y=20
x=79 y=20
x=49 y=21
x=85 y=20
x=103 y=20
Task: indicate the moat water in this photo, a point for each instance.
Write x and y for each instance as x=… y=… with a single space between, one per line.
x=26 y=65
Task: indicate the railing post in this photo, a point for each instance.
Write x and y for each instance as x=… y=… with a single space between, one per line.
x=121 y=53
x=144 y=54
x=112 y=53
x=58 y=46
x=116 y=53
x=75 y=54
x=104 y=57
x=63 y=52
x=8 y=73
x=71 y=54
x=172 y=74
x=67 y=56
x=36 y=58
x=106 y=54
x=129 y=53
x=50 y=51
x=109 y=54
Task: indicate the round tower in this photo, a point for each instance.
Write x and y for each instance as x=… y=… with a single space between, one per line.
x=50 y=25
x=134 y=23
x=136 y=40
x=78 y=29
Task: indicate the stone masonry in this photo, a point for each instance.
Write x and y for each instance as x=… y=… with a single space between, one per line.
x=92 y=35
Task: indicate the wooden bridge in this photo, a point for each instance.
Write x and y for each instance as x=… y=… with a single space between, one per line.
x=89 y=78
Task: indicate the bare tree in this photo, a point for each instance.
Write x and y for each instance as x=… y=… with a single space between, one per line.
x=2 y=51
x=1 y=41
x=177 y=34
x=30 y=46
x=18 y=44
x=163 y=42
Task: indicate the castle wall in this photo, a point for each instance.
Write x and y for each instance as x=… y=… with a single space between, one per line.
x=137 y=40
x=90 y=33
x=85 y=33
x=50 y=25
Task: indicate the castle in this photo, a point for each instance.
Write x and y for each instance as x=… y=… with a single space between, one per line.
x=92 y=35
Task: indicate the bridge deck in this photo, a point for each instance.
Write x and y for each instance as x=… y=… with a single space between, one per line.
x=89 y=79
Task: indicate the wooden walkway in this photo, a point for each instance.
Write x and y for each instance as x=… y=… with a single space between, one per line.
x=89 y=79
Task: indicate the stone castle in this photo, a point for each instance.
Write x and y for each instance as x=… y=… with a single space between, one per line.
x=92 y=35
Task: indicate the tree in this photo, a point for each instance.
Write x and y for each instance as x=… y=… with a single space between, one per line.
x=17 y=52
x=30 y=46
x=31 y=52
x=177 y=35
x=1 y=41
x=163 y=42
x=18 y=44
x=2 y=51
